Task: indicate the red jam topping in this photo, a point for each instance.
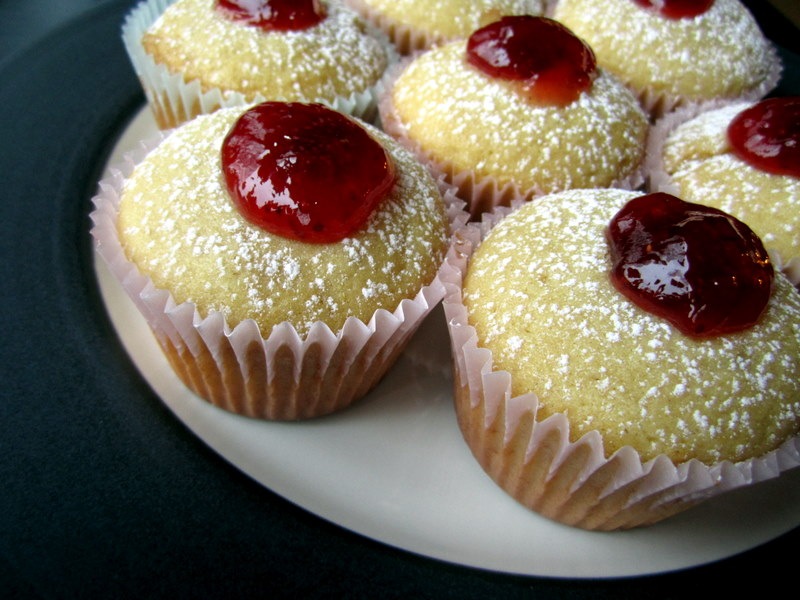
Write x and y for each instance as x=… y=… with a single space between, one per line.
x=274 y=15
x=677 y=9
x=699 y=268
x=304 y=171
x=552 y=65
x=767 y=135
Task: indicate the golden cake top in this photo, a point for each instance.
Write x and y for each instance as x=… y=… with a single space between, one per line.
x=698 y=158
x=461 y=116
x=334 y=58
x=538 y=293
x=720 y=53
x=179 y=225
x=446 y=20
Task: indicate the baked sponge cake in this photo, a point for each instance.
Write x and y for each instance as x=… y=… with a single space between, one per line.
x=593 y=410
x=744 y=159
x=414 y=25
x=284 y=254
x=677 y=53
x=547 y=122
x=193 y=56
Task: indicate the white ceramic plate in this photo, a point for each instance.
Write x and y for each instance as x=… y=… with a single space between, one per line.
x=394 y=468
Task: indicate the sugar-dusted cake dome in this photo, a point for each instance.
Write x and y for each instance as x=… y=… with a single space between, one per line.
x=235 y=237
x=469 y=122
x=718 y=54
x=539 y=295
x=420 y=24
x=197 y=42
x=697 y=161
x=178 y=223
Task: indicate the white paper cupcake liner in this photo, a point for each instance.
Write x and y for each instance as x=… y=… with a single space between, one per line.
x=536 y=463
x=278 y=375
x=175 y=100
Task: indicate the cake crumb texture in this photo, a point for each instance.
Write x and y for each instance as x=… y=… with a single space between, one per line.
x=450 y=19
x=476 y=123
x=334 y=58
x=700 y=162
x=178 y=223
x=539 y=295
x=721 y=53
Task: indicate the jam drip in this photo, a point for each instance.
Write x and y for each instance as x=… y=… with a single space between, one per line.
x=767 y=135
x=676 y=9
x=551 y=64
x=304 y=171
x=274 y=15
x=699 y=268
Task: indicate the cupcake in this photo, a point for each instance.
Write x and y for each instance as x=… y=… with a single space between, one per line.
x=743 y=158
x=282 y=255
x=502 y=117
x=194 y=56
x=603 y=384
x=677 y=53
x=414 y=25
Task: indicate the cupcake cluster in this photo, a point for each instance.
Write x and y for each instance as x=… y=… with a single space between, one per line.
x=601 y=194
x=282 y=248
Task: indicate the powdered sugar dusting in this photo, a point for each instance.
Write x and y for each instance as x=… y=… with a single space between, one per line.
x=476 y=123
x=721 y=53
x=700 y=162
x=701 y=137
x=334 y=58
x=539 y=295
x=178 y=224
x=447 y=19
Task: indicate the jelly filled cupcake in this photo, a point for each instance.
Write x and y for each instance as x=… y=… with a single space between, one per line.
x=194 y=56
x=283 y=255
x=518 y=110
x=621 y=357
x=743 y=158
x=677 y=52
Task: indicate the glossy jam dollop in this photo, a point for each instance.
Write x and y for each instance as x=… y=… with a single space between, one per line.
x=551 y=64
x=701 y=269
x=304 y=171
x=274 y=15
x=676 y=9
x=767 y=135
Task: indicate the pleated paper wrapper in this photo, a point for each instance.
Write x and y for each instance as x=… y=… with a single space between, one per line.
x=277 y=375
x=534 y=461
x=175 y=100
